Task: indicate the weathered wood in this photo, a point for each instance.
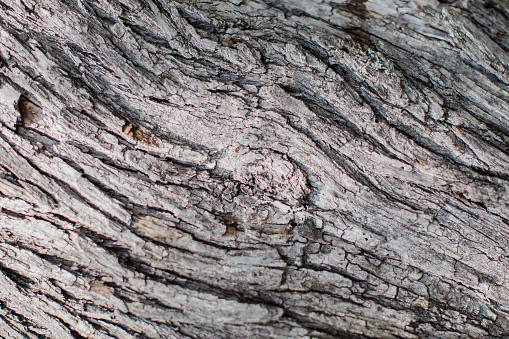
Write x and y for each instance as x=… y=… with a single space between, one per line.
x=258 y=169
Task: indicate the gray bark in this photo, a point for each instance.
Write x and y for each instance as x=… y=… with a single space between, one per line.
x=254 y=168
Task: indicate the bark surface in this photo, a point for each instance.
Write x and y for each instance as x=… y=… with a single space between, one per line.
x=254 y=169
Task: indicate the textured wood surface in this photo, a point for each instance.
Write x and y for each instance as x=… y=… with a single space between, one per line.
x=254 y=169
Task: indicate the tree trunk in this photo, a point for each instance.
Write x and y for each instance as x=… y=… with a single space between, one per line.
x=254 y=169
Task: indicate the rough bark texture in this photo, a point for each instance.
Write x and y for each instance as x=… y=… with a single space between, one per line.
x=254 y=169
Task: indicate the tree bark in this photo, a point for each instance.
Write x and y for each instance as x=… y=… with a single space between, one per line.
x=254 y=169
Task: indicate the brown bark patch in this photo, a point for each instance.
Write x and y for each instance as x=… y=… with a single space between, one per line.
x=138 y=134
x=356 y=7
x=29 y=111
x=359 y=36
